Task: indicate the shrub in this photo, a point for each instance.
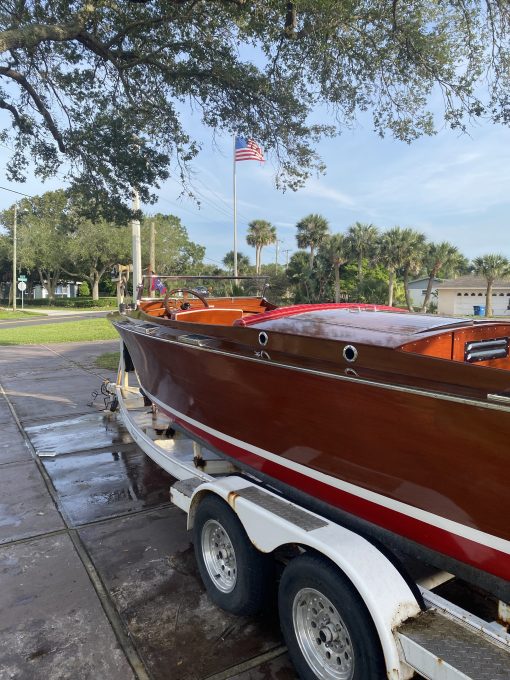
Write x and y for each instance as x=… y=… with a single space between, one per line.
x=84 y=290
x=79 y=303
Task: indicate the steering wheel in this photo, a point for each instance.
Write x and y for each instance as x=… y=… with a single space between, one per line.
x=185 y=305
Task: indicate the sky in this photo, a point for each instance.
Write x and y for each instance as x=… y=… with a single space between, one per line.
x=450 y=186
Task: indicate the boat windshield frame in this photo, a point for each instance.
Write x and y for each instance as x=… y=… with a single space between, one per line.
x=146 y=284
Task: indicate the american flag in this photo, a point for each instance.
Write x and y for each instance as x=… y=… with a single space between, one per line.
x=248 y=150
x=157 y=284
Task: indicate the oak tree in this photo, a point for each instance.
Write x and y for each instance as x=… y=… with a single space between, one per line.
x=104 y=89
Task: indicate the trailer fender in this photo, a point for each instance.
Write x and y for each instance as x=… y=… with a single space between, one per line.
x=272 y=522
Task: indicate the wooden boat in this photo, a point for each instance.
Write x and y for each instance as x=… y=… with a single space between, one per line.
x=395 y=424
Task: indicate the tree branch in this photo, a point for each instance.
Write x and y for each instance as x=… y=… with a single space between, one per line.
x=66 y=271
x=15 y=114
x=290 y=20
x=20 y=78
x=140 y=24
x=32 y=35
x=94 y=45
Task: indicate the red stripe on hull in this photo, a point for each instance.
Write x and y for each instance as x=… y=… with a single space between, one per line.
x=463 y=549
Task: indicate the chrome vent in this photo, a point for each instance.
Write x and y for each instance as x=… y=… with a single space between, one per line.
x=483 y=350
x=196 y=339
x=149 y=328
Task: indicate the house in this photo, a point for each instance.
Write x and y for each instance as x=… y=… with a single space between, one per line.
x=459 y=296
x=67 y=289
x=418 y=289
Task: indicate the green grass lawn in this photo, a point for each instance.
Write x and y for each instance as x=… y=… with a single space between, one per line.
x=18 y=314
x=108 y=360
x=85 y=330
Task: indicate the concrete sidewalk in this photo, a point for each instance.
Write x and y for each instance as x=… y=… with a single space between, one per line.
x=72 y=311
x=97 y=573
x=52 y=317
x=76 y=312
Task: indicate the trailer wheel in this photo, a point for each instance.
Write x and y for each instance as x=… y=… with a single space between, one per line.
x=236 y=575
x=327 y=628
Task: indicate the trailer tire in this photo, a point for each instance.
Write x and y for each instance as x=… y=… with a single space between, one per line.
x=327 y=628
x=237 y=576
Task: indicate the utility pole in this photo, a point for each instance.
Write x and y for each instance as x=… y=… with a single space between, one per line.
x=137 y=246
x=287 y=251
x=152 y=257
x=14 y=256
x=276 y=258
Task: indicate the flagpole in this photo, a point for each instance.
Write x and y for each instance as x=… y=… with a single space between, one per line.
x=235 y=205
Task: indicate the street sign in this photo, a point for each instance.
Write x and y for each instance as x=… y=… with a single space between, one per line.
x=22 y=277
x=22 y=286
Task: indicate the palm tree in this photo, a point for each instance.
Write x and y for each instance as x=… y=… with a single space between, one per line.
x=311 y=232
x=440 y=256
x=391 y=255
x=260 y=233
x=362 y=240
x=491 y=267
x=243 y=262
x=300 y=277
x=337 y=250
x=412 y=252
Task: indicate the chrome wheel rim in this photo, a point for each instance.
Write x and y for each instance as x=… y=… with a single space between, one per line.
x=322 y=636
x=219 y=556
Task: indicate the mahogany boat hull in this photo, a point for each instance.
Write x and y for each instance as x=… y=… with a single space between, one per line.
x=419 y=471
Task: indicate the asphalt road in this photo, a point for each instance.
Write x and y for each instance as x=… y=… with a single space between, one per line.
x=43 y=320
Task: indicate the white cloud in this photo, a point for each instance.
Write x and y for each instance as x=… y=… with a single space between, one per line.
x=448 y=181
x=318 y=189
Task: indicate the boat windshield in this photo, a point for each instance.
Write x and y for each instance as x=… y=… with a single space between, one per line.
x=158 y=285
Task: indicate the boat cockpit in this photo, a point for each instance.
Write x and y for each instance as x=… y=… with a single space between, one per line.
x=204 y=300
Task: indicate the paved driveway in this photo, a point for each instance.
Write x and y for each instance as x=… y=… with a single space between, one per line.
x=97 y=574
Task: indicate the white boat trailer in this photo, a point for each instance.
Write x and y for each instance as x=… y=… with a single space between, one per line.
x=369 y=606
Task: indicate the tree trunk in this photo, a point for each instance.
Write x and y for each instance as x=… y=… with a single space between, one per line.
x=95 y=287
x=488 y=298
x=429 y=289
x=311 y=257
x=307 y=289
x=337 y=281
x=390 y=287
x=258 y=253
x=406 y=288
x=52 y=283
x=46 y=283
x=51 y=289
x=41 y=279
x=360 y=265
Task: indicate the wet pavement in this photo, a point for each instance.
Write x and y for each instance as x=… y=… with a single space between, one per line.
x=97 y=573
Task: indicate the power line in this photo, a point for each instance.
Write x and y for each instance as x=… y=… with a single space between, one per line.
x=211 y=200
x=224 y=209
x=174 y=204
x=16 y=192
x=215 y=261
x=216 y=207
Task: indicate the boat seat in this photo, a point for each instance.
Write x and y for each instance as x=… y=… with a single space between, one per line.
x=215 y=316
